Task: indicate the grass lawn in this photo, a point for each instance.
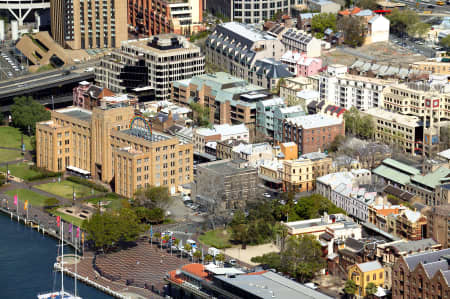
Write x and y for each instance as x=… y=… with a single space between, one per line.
x=219 y=238
x=34 y=199
x=65 y=189
x=67 y=218
x=11 y=137
x=9 y=155
x=21 y=170
x=115 y=202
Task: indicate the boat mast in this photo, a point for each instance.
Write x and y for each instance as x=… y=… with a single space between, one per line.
x=62 y=257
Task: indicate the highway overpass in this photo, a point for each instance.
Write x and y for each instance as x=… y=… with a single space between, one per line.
x=42 y=87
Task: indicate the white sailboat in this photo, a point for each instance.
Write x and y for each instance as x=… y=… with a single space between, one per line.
x=61 y=294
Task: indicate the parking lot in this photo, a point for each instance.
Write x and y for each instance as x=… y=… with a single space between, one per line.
x=10 y=67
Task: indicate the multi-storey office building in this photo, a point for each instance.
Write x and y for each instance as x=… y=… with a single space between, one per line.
x=102 y=143
x=230 y=100
x=430 y=102
x=154 y=17
x=253 y=11
x=154 y=62
x=312 y=133
x=236 y=47
x=346 y=91
x=403 y=131
x=89 y=24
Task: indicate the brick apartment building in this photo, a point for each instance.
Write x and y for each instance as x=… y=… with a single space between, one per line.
x=312 y=133
x=153 y=17
x=102 y=144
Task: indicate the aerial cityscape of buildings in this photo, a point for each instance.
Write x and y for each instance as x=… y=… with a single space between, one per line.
x=230 y=148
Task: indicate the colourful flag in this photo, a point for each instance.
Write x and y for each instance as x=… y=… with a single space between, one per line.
x=25 y=206
x=78 y=232
x=15 y=200
x=58 y=220
x=151 y=230
x=70 y=228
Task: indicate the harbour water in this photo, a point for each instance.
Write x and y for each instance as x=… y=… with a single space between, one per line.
x=26 y=264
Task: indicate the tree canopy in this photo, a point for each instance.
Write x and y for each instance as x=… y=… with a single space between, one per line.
x=371 y=289
x=350 y=287
x=357 y=125
x=367 y=4
x=26 y=112
x=108 y=229
x=301 y=258
x=153 y=197
x=445 y=42
x=321 y=22
x=353 y=28
x=307 y=207
x=201 y=114
x=406 y=21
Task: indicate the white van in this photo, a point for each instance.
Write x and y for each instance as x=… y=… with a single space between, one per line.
x=192 y=243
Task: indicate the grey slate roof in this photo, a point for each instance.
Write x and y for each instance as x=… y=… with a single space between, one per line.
x=415 y=246
x=428 y=257
x=272 y=69
x=432 y=268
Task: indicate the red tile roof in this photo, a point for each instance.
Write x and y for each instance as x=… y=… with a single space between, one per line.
x=195 y=269
x=348 y=11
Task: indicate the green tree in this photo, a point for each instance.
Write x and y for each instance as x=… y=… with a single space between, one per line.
x=403 y=20
x=208 y=258
x=445 y=42
x=153 y=216
x=367 y=4
x=301 y=258
x=2 y=179
x=220 y=258
x=157 y=237
x=188 y=248
x=240 y=234
x=357 y=125
x=26 y=112
x=419 y=29
x=336 y=144
x=350 y=287
x=201 y=114
x=271 y=260
x=198 y=255
x=353 y=28
x=128 y=225
x=371 y=289
x=321 y=22
x=153 y=197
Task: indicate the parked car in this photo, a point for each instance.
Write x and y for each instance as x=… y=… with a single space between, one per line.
x=267 y=195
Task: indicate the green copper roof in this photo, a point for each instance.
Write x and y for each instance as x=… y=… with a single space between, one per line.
x=431 y=179
x=392 y=174
x=401 y=166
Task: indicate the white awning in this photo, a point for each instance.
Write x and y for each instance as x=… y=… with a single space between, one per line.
x=78 y=170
